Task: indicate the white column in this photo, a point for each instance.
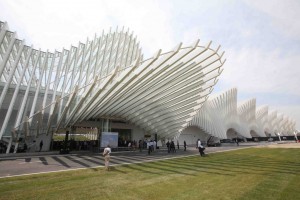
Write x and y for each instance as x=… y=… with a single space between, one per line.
x=7 y=53
x=295 y=133
x=11 y=74
x=65 y=77
x=3 y=32
x=279 y=136
x=81 y=67
x=14 y=98
x=56 y=83
x=97 y=55
x=87 y=74
x=48 y=83
x=9 y=145
x=123 y=50
x=110 y=53
x=103 y=57
x=22 y=108
x=52 y=112
x=64 y=112
x=37 y=91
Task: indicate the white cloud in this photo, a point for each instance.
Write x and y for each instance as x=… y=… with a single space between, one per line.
x=256 y=71
x=150 y=20
x=191 y=35
x=285 y=14
x=56 y=24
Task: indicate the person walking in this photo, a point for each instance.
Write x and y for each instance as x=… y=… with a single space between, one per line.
x=41 y=145
x=177 y=144
x=169 y=146
x=140 y=145
x=172 y=147
x=106 y=154
x=184 y=145
x=200 y=147
x=149 y=147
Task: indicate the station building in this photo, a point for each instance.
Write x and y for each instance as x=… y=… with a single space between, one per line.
x=105 y=87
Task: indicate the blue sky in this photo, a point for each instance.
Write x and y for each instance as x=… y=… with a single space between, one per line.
x=261 y=38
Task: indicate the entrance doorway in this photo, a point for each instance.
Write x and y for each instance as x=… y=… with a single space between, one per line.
x=124 y=136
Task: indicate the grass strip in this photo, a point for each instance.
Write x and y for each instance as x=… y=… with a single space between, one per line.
x=254 y=173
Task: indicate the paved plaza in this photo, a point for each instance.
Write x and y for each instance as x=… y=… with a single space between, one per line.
x=45 y=162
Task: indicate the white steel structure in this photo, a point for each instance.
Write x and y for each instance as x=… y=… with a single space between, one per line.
x=222 y=117
x=262 y=120
x=219 y=117
x=247 y=116
x=106 y=78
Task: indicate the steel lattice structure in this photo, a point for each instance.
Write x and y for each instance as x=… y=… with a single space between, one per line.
x=222 y=117
x=103 y=78
x=107 y=78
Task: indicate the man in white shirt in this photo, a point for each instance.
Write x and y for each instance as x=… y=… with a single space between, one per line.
x=200 y=147
x=154 y=145
x=106 y=154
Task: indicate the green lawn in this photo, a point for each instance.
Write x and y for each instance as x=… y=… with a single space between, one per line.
x=255 y=173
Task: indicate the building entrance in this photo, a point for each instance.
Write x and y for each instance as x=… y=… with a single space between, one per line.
x=124 y=136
